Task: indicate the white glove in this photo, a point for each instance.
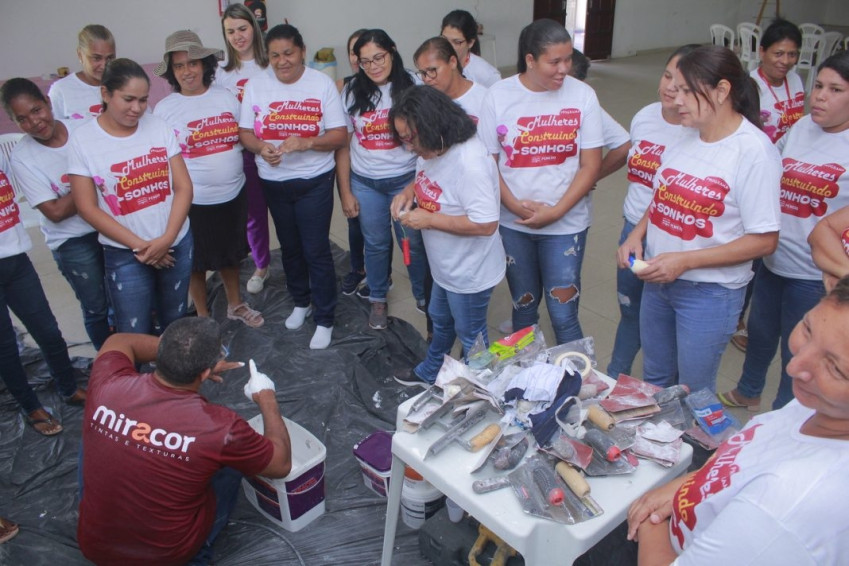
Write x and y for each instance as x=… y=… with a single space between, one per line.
x=257 y=382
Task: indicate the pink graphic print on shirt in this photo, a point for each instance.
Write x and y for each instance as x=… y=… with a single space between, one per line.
x=375 y=132
x=210 y=135
x=712 y=478
x=10 y=214
x=546 y=140
x=788 y=113
x=644 y=162
x=806 y=186
x=427 y=193
x=141 y=182
x=683 y=204
x=290 y=117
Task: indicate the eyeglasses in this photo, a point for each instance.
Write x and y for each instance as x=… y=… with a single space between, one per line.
x=429 y=73
x=376 y=60
x=225 y=351
x=456 y=42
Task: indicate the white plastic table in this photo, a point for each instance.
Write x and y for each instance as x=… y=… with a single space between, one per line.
x=541 y=542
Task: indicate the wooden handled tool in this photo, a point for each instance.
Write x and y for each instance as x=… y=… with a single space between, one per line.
x=573 y=479
x=600 y=418
x=486 y=436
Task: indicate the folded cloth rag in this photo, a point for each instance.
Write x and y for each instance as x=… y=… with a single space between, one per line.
x=257 y=382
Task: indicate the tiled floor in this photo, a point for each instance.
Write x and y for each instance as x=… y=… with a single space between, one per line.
x=623 y=86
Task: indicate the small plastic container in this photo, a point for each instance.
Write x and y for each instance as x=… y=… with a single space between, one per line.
x=295 y=501
x=374 y=454
x=419 y=500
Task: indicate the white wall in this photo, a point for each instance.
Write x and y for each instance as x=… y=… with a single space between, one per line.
x=41 y=35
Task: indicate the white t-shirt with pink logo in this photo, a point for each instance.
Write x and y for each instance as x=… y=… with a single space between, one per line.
x=781 y=106
x=131 y=174
x=14 y=239
x=462 y=182
x=651 y=135
x=73 y=99
x=306 y=108
x=374 y=152
x=538 y=137
x=207 y=129
x=479 y=70
x=42 y=175
x=815 y=183
x=710 y=194
x=770 y=495
x=235 y=80
x=472 y=101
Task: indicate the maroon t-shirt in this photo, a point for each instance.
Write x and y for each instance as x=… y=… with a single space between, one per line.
x=149 y=454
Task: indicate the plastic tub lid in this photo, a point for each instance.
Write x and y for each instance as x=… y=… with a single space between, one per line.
x=376 y=450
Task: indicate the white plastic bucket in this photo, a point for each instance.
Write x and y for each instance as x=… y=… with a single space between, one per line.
x=419 y=500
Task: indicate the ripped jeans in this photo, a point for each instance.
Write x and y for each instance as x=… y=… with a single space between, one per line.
x=537 y=262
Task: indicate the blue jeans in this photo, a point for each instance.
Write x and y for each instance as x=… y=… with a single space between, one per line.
x=225 y=483
x=356 y=244
x=301 y=209
x=629 y=290
x=136 y=289
x=538 y=263
x=81 y=262
x=21 y=291
x=375 y=196
x=778 y=304
x=454 y=315
x=684 y=328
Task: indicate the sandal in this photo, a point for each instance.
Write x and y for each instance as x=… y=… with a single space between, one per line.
x=740 y=338
x=44 y=426
x=734 y=399
x=246 y=314
x=77 y=399
x=8 y=530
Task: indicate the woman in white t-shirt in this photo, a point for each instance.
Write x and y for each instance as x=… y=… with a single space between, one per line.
x=40 y=165
x=77 y=96
x=21 y=292
x=815 y=155
x=544 y=129
x=774 y=493
x=206 y=121
x=129 y=181
x=246 y=57
x=293 y=121
x=714 y=209
x=460 y=28
x=440 y=68
x=380 y=169
x=457 y=210
x=654 y=129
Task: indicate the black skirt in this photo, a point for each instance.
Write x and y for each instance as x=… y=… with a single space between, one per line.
x=219 y=231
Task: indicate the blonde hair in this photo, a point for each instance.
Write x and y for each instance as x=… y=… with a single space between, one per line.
x=240 y=12
x=92 y=33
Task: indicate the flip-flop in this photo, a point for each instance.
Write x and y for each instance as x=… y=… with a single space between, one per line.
x=8 y=530
x=729 y=399
x=245 y=314
x=49 y=421
x=75 y=400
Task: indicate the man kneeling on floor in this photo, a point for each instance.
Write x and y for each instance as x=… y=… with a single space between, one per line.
x=161 y=465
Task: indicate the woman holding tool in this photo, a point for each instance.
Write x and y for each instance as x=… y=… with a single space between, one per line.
x=293 y=121
x=544 y=129
x=775 y=492
x=130 y=183
x=714 y=208
x=815 y=154
x=456 y=197
x=246 y=58
x=205 y=120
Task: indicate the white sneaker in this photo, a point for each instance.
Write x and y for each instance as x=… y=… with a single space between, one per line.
x=257 y=282
x=298 y=316
x=321 y=338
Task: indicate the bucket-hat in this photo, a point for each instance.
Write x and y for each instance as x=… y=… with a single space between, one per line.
x=185 y=40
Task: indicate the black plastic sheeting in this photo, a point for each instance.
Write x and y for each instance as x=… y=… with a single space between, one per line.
x=341 y=395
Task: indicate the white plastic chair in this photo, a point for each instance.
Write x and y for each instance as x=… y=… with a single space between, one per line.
x=846 y=43
x=812 y=29
x=811 y=55
x=750 y=39
x=722 y=35
x=832 y=43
